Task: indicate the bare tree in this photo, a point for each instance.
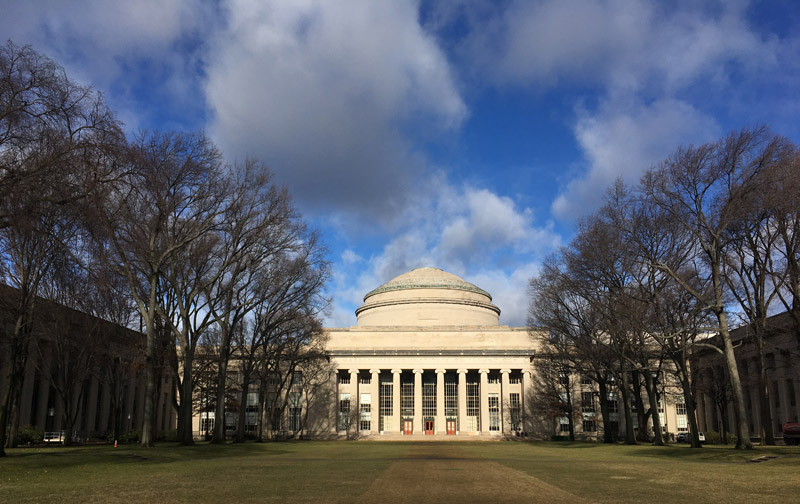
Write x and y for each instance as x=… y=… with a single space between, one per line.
x=52 y=133
x=703 y=188
x=169 y=198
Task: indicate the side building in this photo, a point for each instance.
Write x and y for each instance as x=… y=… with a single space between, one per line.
x=781 y=364
x=83 y=374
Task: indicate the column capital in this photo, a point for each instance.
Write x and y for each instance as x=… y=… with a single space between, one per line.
x=462 y=371
x=418 y=371
x=505 y=371
x=441 y=371
x=483 y=371
x=397 y=371
x=353 y=371
x=375 y=371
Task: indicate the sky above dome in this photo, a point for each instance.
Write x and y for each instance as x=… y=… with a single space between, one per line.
x=466 y=135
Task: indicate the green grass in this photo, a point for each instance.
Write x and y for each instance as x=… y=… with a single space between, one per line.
x=343 y=471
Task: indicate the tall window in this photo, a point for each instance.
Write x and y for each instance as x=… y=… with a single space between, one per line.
x=515 y=378
x=294 y=418
x=494 y=377
x=587 y=402
x=344 y=412
x=680 y=410
x=366 y=412
x=344 y=378
x=386 y=408
x=494 y=412
x=406 y=396
x=364 y=378
x=589 y=426
x=428 y=395
x=514 y=411
x=613 y=406
x=473 y=420
x=450 y=395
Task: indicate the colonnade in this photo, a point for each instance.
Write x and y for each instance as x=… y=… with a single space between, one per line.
x=500 y=392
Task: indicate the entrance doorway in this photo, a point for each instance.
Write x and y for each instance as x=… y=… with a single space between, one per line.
x=408 y=427
x=428 y=426
x=451 y=427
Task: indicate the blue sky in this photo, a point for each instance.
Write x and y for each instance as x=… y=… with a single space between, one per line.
x=468 y=135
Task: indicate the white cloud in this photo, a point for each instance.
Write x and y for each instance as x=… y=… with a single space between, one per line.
x=322 y=93
x=621 y=44
x=623 y=140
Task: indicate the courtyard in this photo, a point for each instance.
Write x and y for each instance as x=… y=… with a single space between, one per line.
x=400 y=472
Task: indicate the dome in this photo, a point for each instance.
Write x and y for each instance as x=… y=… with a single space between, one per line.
x=427 y=297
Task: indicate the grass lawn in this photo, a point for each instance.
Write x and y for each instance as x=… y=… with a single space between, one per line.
x=399 y=472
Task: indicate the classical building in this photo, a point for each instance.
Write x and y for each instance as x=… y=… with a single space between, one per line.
x=428 y=356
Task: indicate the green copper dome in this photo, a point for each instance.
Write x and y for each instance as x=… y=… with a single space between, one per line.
x=427 y=278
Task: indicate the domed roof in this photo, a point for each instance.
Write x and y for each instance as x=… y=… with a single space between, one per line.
x=427 y=297
x=427 y=278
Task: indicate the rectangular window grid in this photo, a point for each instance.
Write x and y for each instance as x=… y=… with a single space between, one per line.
x=428 y=396
x=494 y=412
x=386 y=410
x=344 y=412
x=515 y=412
x=450 y=396
x=587 y=402
x=407 y=396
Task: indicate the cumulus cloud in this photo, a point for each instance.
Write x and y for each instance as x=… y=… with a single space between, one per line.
x=625 y=44
x=324 y=94
x=128 y=47
x=622 y=141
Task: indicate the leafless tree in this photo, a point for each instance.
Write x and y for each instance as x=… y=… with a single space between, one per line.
x=703 y=189
x=169 y=198
x=53 y=132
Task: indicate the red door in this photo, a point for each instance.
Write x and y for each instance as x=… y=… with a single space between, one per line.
x=451 y=427
x=428 y=426
x=408 y=426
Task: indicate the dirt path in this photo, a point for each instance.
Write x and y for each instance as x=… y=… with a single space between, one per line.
x=443 y=474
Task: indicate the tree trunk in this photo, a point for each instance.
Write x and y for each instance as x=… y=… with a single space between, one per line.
x=185 y=434
x=764 y=397
x=222 y=376
x=149 y=369
x=742 y=431
x=688 y=399
x=242 y=417
x=630 y=437
x=608 y=435
x=652 y=395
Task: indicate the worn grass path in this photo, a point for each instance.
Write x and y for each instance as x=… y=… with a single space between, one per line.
x=388 y=472
x=446 y=473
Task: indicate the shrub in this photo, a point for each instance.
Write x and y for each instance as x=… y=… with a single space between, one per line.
x=714 y=437
x=170 y=436
x=30 y=436
x=132 y=436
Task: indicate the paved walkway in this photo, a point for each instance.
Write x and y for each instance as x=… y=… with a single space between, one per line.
x=443 y=474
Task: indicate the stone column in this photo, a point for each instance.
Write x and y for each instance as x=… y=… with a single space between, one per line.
x=524 y=379
x=418 y=401
x=484 y=400
x=396 y=416
x=375 y=396
x=441 y=424
x=355 y=401
x=462 y=400
x=783 y=376
x=41 y=407
x=505 y=415
x=90 y=414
